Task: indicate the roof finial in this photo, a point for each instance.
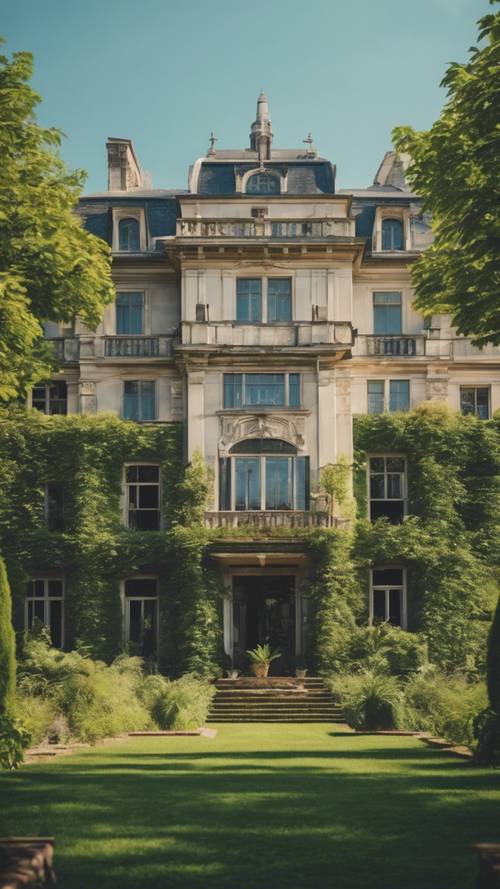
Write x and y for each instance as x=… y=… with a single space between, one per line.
x=261 y=135
x=212 y=139
x=310 y=151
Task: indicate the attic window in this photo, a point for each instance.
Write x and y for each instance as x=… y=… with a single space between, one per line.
x=263 y=183
x=392 y=234
x=129 y=235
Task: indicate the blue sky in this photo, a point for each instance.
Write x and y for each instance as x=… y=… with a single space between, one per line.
x=166 y=73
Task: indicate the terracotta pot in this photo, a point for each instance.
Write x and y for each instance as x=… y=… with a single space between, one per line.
x=260 y=670
x=300 y=674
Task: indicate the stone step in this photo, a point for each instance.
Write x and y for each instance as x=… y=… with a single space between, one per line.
x=273 y=705
x=295 y=719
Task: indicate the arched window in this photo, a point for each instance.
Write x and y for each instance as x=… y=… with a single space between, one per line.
x=392 y=234
x=129 y=235
x=263 y=183
x=264 y=474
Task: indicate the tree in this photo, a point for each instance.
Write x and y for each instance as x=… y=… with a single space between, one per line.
x=7 y=647
x=455 y=168
x=51 y=268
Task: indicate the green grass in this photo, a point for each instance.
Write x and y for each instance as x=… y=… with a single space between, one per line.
x=261 y=806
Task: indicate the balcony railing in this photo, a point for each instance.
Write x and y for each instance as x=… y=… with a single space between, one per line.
x=264 y=228
x=299 y=333
x=66 y=348
x=391 y=346
x=270 y=520
x=132 y=346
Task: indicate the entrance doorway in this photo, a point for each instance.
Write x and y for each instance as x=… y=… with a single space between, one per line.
x=264 y=612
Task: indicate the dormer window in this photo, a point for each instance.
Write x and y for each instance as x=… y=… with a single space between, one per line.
x=129 y=235
x=392 y=234
x=263 y=183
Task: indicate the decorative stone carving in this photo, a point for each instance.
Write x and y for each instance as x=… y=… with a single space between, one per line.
x=437 y=390
x=87 y=387
x=236 y=428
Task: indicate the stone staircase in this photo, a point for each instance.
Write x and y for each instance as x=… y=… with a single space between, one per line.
x=277 y=699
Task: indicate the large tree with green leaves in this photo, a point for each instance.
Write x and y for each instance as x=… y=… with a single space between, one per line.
x=51 y=268
x=455 y=168
x=7 y=647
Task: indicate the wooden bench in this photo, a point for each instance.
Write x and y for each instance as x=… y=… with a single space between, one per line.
x=489 y=865
x=26 y=861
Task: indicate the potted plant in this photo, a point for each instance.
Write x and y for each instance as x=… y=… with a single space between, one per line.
x=261 y=658
x=233 y=674
x=300 y=668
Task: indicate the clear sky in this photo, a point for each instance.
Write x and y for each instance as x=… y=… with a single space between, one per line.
x=166 y=73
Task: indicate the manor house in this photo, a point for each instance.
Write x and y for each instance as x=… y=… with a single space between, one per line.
x=262 y=308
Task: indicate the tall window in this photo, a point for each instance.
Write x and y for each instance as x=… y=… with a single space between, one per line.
x=129 y=239
x=130 y=313
x=139 y=400
x=259 y=475
x=248 y=299
x=279 y=299
x=142 y=495
x=392 y=234
x=475 y=400
x=387 y=312
x=387 y=596
x=141 y=616
x=54 y=506
x=263 y=183
x=387 y=488
x=392 y=395
x=261 y=390
x=44 y=605
x=51 y=398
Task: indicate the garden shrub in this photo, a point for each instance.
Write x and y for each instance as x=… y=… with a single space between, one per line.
x=370 y=699
x=446 y=705
x=13 y=740
x=182 y=703
x=387 y=649
x=487 y=724
x=7 y=647
x=38 y=716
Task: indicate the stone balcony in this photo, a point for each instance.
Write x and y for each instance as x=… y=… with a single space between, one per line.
x=293 y=334
x=265 y=228
x=67 y=349
x=126 y=347
x=272 y=520
x=389 y=346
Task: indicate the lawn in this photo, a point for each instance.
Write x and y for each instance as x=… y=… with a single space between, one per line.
x=261 y=806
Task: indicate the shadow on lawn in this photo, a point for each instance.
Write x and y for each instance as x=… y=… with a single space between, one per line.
x=256 y=820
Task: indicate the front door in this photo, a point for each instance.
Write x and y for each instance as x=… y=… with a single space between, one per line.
x=264 y=612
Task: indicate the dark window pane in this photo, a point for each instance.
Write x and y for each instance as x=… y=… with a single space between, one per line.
x=247 y=473
x=146 y=520
x=55 y=607
x=147 y=409
x=129 y=313
x=248 y=299
x=390 y=509
x=294 y=390
x=377 y=489
x=387 y=577
x=263 y=183
x=148 y=473
x=149 y=497
x=394 y=486
x=55 y=588
x=279 y=299
x=399 y=395
x=233 y=390
x=392 y=234
x=378 y=605
x=132 y=473
x=38 y=398
x=36 y=611
x=377 y=464
x=149 y=629
x=141 y=586
x=58 y=397
x=135 y=620
x=302 y=476
x=39 y=588
x=129 y=234
x=395 y=607
x=131 y=400
x=395 y=464
x=263 y=446
x=278 y=483
x=265 y=389
x=375 y=396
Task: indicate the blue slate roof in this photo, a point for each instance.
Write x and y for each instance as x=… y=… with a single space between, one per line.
x=304 y=177
x=161 y=213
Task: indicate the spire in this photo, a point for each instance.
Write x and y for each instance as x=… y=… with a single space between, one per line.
x=261 y=135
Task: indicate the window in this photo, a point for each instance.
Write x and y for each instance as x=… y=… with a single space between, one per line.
x=130 y=313
x=392 y=234
x=248 y=299
x=139 y=401
x=44 y=605
x=475 y=400
x=263 y=478
x=54 y=506
x=279 y=299
x=387 y=477
x=261 y=390
x=129 y=235
x=142 y=483
x=387 y=596
x=141 y=616
x=263 y=183
x=394 y=397
x=387 y=313
x=51 y=398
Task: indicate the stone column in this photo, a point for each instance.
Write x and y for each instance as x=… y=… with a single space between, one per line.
x=326 y=417
x=195 y=412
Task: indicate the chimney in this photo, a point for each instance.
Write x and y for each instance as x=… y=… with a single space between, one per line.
x=124 y=172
